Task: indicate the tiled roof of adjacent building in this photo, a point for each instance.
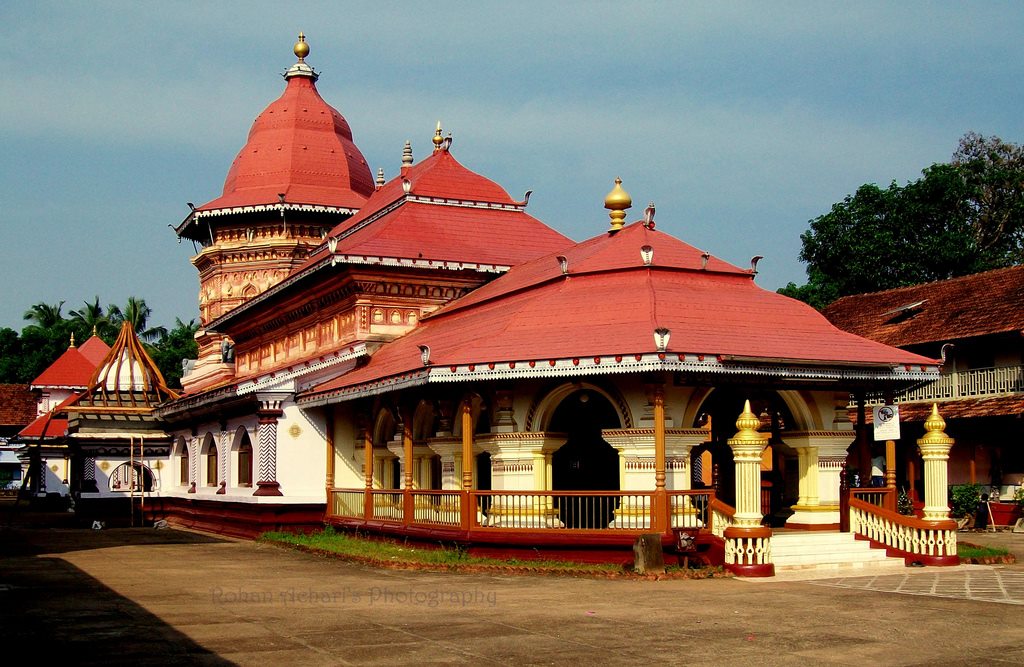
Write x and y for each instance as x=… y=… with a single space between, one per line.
x=17 y=405
x=981 y=304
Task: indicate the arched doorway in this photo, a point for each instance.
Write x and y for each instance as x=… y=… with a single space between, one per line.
x=586 y=462
x=722 y=407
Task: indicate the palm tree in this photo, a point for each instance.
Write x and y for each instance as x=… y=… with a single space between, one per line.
x=137 y=313
x=45 y=315
x=91 y=319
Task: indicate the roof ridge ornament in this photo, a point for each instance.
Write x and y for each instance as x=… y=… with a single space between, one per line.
x=438 y=139
x=618 y=202
x=72 y=340
x=380 y=178
x=300 y=68
x=649 y=216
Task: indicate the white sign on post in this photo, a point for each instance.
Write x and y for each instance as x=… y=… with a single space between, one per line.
x=886 y=422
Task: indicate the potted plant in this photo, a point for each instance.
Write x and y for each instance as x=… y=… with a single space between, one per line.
x=1007 y=513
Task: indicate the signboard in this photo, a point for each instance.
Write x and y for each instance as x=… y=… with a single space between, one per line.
x=887 y=422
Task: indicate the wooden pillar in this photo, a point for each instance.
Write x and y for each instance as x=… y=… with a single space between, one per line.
x=329 y=480
x=974 y=464
x=368 y=470
x=659 y=519
x=467 y=463
x=407 y=465
x=911 y=476
x=890 y=464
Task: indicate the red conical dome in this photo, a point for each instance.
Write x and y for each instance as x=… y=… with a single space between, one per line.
x=300 y=147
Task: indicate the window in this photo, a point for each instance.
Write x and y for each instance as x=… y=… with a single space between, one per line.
x=245 y=462
x=211 y=465
x=183 y=466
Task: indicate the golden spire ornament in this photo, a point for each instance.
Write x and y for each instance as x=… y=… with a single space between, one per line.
x=617 y=202
x=438 y=139
x=301 y=48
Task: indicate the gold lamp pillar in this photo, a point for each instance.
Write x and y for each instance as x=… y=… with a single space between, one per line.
x=935 y=446
x=747 y=542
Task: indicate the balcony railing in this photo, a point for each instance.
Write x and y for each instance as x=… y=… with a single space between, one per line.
x=975 y=383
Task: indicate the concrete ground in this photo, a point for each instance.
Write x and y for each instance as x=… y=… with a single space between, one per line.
x=149 y=597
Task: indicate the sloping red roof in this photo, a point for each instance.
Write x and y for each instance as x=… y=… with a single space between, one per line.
x=446 y=228
x=17 y=405
x=610 y=303
x=45 y=426
x=71 y=369
x=94 y=349
x=975 y=305
x=299 y=146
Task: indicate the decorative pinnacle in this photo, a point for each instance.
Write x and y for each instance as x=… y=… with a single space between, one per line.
x=301 y=48
x=935 y=429
x=438 y=139
x=72 y=339
x=747 y=424
x=617 y=201
x=380 y=177
x=407 y=154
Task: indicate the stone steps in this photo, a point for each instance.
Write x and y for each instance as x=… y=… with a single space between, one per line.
x=802 y=550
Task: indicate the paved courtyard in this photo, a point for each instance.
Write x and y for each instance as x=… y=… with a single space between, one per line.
x=147 y=597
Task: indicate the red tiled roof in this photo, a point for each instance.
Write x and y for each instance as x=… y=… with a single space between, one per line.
x=45 y=426
x=975 y=305
x=503 y=235
x=299 y=146
x=71 y=369
x=94 y=349
x=17 y=405
x=964 y=408
x=610 y=304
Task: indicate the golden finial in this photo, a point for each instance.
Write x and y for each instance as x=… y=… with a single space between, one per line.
x=301 y=48
x=72 y=339
x=94 y=330
x=617 y=201
x=935 y=429
x=438 y=139
x=747 y=424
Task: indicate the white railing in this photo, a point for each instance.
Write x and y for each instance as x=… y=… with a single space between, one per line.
x=974 y=383
x=933 y=543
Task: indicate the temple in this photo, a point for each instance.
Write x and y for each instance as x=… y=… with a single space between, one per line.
x=421 y=357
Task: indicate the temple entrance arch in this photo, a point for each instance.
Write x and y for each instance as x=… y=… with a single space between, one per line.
x=721 y=407
x=586 y=462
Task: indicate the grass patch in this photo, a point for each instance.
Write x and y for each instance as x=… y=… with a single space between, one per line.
x=967 y=550
x=389 y=552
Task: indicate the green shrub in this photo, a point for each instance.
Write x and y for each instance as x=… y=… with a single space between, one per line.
x=1018 y=496
x=964 y=499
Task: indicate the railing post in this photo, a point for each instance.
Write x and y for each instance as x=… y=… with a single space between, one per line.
x=368 y=473
x=748 y=543
x=844 y=500
x=408 y=508
x=660 y=521
x=467 y=463
x=935 y=446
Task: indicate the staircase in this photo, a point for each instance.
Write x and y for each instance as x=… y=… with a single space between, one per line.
x=800 y=550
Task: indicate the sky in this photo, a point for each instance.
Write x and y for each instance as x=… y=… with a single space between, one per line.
x=740 y=121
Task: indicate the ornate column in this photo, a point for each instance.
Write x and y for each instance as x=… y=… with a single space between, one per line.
x=223 y=455
x=935 y=446
x=659 y=512
x=43 y=471
x=367 y=471
x=407 y=468
x=193 y=461
x=747 y=543
x=820 y=458
x=266 y=432
x=519 y=462
x=89 y=475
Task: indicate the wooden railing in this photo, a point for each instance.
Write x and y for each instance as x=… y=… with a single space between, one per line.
x=883 y=496
x=559 y=510
x=916 y=540
x=972 y=383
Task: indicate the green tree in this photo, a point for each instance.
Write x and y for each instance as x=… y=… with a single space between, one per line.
x=958 y=218
x=90 y=318
x=175 y=346
x=45 y=315
x=137 y=313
